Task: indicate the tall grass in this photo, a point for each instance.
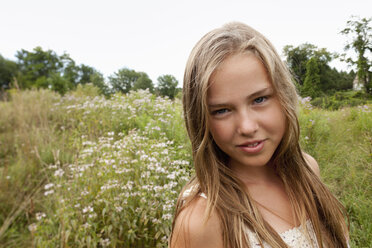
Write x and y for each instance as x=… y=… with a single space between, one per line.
x=341 y=141
x=85 y=171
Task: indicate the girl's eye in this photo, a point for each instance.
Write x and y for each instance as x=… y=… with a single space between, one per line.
x=261 y=99
x=219 y=111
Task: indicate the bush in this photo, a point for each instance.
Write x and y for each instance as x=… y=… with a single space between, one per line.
x=341 y=99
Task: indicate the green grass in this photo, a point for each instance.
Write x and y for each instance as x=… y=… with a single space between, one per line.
x=341 y=141
x=85 y=171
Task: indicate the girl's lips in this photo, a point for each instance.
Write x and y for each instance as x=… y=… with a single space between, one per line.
x=252 y=147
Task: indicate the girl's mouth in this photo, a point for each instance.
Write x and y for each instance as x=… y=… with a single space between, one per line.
x=252 y=147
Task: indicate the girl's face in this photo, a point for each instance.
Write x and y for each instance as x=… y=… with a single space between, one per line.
x=245 y=117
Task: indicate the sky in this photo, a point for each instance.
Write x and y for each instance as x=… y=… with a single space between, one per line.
x=156 y=36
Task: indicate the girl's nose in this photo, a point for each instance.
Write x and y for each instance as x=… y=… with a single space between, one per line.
x=247 y=124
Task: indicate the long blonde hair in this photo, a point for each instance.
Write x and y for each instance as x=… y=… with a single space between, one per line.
x=226 y=195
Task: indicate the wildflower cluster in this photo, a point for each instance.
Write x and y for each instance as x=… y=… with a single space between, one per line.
x=122 y=113
x=122 y=187
x=305 y=103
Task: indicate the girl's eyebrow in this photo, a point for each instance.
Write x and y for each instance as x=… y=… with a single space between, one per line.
x=264 y=91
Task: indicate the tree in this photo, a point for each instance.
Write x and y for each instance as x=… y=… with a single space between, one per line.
x=361 y=43
x=37 y=65
x=297 y=58
x=126 y=79
x=46 y=69
x=331 y=80
x=167 y=86
x=97 y=80
x=8 y=70
x=123 y=80
x=143 y=82
x=58 y=83
x=85 y=73
x=311 y=85
x=76 y=74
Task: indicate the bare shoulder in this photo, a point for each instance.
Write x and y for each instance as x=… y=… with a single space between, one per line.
x=312 y=163
x=191 y=231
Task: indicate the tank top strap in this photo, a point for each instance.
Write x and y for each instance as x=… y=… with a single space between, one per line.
x=188 y=191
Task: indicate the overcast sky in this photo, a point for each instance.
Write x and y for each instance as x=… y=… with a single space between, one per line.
x=156 y=36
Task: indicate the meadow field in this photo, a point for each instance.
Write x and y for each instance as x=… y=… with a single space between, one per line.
x=85 y=171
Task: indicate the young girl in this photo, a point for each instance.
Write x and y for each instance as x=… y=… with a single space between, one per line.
x=254 y=186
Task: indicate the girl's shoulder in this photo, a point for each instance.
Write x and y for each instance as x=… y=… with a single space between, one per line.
x=193 y=229
x=312 y=163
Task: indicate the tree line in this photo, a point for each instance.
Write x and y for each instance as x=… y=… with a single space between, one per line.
x=46 y=69
x=309 y=65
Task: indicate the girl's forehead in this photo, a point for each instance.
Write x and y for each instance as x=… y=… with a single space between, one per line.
x=226 y=62
x=240 y=69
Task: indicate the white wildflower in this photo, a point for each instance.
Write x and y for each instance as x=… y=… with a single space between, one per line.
x=40 y=215
x=49 y=192
x=59 y=173
x=92 y=216
x=87 y=209
x=52 y=166
x=167 y=216
x=32 y=227
x=119 y=209
x=48 y=186
x=105 y=242
x=84 y=192
x=172 y=176
x=87 y=143
x=86 y=225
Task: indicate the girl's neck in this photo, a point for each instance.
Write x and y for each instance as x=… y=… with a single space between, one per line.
x=255 y=174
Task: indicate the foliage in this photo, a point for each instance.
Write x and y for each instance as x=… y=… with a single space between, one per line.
x=331 y=80
x=26 y=136
x=361 y=42
x=167 y=86
x=341 y=99
x=297 y=58
x=311 y=85
x=138 y=124
x=143 y=82
x=123 y=80
x=47 y=70
x=8 y=70
x=127 y=79
x=98 y=80
x=38 y=65
x=341 y=141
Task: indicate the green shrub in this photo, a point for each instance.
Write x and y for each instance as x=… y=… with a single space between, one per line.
x=341 y=99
